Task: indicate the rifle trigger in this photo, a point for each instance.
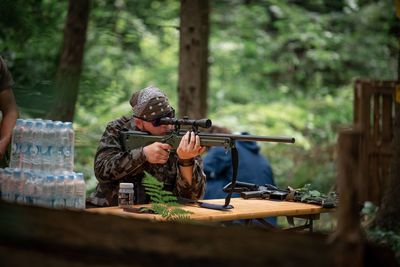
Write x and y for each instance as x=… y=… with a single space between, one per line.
x=164 y=140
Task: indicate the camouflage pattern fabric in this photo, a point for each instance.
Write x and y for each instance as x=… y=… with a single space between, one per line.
x=113 y=166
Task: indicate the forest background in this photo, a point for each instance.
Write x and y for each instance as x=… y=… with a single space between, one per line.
x=275 y=68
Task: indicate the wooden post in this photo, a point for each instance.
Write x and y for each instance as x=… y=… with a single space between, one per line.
x=348 y=236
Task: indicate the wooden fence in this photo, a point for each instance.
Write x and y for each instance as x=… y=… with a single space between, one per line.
x=374 y=118
x=364 y=159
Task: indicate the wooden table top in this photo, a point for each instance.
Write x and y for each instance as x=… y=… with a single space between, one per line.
x=243 y=209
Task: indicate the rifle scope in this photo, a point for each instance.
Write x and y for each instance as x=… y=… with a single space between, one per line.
x=204 y=123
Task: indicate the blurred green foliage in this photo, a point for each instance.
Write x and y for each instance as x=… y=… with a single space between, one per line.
x=386 y=238
x=276 y=68
x=383 y=237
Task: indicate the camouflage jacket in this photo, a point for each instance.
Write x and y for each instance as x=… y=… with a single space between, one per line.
x=112 y=166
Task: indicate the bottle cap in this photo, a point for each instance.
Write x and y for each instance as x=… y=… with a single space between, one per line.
x=125 y=185
x=79 y=176
x=68 y=124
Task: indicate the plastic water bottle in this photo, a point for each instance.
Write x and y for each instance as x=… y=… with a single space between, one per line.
x=69 y=195
x=12 y=186
x=7 y=185
x=38 y=195
x=59 y=192
x=58 y=148
x=47 y=142
x=18 y=184
x=42 y=145
x=26 y=145
x=29 y=187
x=49 y=187
x=67 y=141
x=80 y=191
x=16 y=156
x=36 y=148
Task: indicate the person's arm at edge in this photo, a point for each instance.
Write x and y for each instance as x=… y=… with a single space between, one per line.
x=9 y=110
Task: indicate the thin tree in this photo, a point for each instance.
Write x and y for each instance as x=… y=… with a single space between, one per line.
x=70 y=65
x=193 y=55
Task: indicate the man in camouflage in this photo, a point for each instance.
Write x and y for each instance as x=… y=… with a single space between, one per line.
x=181 y=171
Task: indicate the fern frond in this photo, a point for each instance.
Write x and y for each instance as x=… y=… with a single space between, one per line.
x=169 y=200
x=181 y=218
x=163 y=202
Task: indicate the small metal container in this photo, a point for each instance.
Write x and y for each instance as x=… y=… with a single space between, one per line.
x=125 y=195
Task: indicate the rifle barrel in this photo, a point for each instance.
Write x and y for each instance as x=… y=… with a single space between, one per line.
x=239 y=137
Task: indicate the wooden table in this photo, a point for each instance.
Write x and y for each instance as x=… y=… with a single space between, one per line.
x=243 y=209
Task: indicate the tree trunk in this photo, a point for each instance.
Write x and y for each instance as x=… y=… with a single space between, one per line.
x=70 y=66
x=388 y=216
x=193 y=55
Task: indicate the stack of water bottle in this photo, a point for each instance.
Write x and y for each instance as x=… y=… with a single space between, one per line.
x=41 y=166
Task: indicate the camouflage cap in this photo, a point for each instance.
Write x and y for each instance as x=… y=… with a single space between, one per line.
x=150 y=103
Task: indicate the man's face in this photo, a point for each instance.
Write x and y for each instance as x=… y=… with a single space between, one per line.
x=153 y=130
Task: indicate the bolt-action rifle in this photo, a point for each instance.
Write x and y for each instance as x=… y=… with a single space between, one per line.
x=136 y=139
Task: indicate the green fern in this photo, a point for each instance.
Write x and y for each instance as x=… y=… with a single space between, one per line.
x=163 y=202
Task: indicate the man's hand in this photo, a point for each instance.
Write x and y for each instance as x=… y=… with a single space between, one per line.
x=189 y=147
x=157 y=153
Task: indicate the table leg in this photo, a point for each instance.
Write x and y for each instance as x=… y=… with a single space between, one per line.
x=309 y=224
